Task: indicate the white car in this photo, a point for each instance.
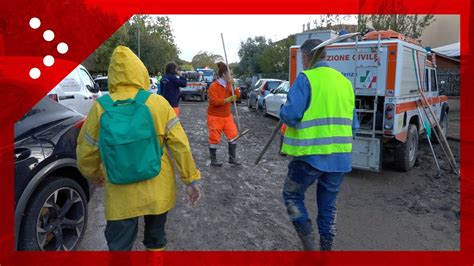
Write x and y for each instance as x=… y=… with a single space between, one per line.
x=276 y=99
x=78 y=91
x=153 y=85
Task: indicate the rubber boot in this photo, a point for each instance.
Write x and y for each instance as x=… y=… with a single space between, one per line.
x=214 y=162
x=232 y=154
x=325 y=243
x=306 y=235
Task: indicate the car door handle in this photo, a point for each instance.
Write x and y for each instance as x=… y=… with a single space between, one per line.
x=66 y=97
x=21 y=154
x=87 y=98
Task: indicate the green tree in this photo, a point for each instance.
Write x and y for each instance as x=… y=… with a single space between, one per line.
x=156 y=39
x=236 y=70
x=274 y=58
x=249 y=53
x=409 y=25
x=187 y=67
x=206 y=59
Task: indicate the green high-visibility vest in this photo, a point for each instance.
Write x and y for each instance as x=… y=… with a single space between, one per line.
x=326 y=126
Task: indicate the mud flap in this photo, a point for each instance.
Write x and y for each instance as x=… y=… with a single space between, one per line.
x=367 y=154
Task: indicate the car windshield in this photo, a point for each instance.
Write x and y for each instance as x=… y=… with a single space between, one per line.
x=273 y=85
x=283 y=88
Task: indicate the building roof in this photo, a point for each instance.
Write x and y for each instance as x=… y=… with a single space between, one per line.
x=450 y=50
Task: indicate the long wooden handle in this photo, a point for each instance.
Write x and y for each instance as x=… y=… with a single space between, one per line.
x=270 y=140
x=231 y=85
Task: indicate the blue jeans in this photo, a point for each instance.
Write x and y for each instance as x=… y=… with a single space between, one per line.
x=300 y=177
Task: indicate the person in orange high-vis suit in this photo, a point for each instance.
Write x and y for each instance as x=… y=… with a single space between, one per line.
x=219 y=116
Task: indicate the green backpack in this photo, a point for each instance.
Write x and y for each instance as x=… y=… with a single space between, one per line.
x=128 y=144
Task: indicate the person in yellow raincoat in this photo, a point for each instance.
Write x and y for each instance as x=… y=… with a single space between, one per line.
x=151 y=198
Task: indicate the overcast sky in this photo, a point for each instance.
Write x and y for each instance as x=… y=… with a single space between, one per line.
x=194 y=33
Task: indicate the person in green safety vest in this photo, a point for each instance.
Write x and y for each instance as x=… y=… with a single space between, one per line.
x=158 y=84
x=320 y=115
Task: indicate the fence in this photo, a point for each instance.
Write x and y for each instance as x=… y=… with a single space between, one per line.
x=448 y=82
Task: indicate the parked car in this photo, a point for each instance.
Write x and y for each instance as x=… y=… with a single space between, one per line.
x=276 y=99
x=103 y=84
x=77 y=91
x=262 y=89
x=153 y=85
x=51 y=195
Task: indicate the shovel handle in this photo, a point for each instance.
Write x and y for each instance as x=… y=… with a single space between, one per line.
x=270 y=140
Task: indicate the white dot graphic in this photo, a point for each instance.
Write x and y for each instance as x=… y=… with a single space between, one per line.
x=35 y=73
x=48 y=60
x=35 y=23
x=62 y=48
x=48 y=35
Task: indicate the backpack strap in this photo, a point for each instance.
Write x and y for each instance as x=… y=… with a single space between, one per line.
x=142 y=96
x=106 y=102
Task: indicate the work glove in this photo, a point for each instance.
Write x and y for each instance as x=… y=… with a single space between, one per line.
x=230 y=99
x=193 y=193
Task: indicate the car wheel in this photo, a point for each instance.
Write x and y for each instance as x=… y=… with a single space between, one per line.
x=56 y=217
x=406 y=153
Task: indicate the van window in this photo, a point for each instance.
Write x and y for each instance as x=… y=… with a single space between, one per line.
x=86 y=78
x=427 y=79
x=434 y=83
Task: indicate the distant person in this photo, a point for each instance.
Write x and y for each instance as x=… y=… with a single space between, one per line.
x=121 y=146
x=158 y=82
x=219 y=116
x=170 y=84
x=320 y=116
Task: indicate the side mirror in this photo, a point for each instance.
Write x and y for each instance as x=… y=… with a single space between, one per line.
x=273 y=91
x=93 y=90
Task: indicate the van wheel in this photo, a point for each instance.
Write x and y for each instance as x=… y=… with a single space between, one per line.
x=406 y=153
x=56 y=217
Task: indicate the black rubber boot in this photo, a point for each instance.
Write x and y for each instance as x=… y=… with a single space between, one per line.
x=325 y=243
x=306 y=234
x=214 y=162
x=232 y=154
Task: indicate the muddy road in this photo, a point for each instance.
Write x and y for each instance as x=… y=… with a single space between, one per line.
x=242 y=207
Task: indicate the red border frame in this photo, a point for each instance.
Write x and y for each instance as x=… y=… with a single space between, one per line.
x=22 y=50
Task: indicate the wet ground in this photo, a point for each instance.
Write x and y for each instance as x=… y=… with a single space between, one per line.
x=242 y=207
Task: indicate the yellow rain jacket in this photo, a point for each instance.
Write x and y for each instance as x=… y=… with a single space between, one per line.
x=154 y=196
